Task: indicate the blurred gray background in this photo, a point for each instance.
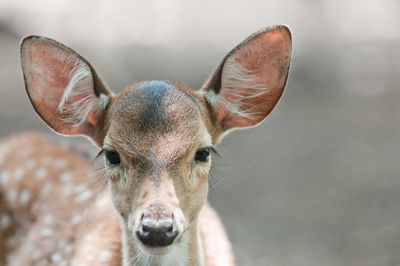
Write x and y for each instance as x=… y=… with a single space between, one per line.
x=318 y=182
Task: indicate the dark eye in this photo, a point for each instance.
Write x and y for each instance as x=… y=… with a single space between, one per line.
x=202 y=155
x=112 y=158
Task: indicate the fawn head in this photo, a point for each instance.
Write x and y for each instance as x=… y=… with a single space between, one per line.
x=156 y=136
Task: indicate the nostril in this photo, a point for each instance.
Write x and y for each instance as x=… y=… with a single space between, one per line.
x=171 y=233
x=170 y=229
x=145 y=228
x=143 y=232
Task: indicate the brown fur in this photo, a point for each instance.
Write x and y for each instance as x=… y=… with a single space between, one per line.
x=60 y=210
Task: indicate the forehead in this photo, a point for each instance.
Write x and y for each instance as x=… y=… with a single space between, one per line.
x=154 y=114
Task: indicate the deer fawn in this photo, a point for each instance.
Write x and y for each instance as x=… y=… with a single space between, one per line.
x=156 y=137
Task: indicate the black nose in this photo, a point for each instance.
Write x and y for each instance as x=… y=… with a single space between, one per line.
x=157 y=233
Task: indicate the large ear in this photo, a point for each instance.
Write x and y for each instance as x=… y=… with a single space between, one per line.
x=250 y=79
x=63 y=87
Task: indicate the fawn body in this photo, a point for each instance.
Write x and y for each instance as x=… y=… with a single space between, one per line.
x=156 y=138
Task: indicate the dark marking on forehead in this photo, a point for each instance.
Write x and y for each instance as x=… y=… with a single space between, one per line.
x=153 y=110
x=155 y=122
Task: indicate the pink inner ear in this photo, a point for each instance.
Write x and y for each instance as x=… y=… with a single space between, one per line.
x=221 y=114
x=46 y=72
x=49 y=70
x=263 y=59
x=92 y=118
x=253 y=78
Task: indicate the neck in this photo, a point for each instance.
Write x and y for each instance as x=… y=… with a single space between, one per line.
x=187 y=251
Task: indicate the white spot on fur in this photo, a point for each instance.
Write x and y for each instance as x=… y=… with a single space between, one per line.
x=105 y=256
x=89 y=237
x=69 y=248
x=56 y=257
x=4 y=176
x=65 y=177
x=24 y=196
x=47 y=232
x=5 y=221
x=18 y=173
x=76 y=219
x=103 y=201
x=41 y=173
x=83 y=196
x=80 y=188
x=48 y=219
x=60 y=163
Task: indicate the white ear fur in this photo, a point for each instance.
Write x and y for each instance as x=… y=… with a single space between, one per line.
x=80 y=81
x=230 y=98
x=249 y=81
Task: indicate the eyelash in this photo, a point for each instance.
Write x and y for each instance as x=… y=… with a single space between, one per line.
x=100 y=155
x=111 y=156
x=215 y=152
x=102 y=152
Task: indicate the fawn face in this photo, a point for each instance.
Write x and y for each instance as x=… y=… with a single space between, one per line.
x=157 y=161
x=156 y=136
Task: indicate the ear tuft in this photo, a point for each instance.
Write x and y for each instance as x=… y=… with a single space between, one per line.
x=80 y=79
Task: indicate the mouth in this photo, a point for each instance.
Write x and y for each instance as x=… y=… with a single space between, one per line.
x=154 y=251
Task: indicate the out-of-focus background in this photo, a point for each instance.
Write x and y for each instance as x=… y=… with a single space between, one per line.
x=318 y=182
